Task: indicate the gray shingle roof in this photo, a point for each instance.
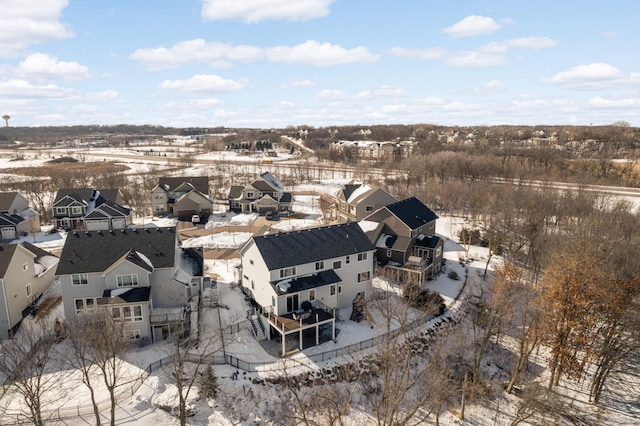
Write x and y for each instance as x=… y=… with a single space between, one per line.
x=349 y=189
x=201 y=183
x=311 y=245
x=308 y=281
x=6 y=199
x=84 y=195
x=10 y=219
x=95 y=251
x=6 y=254
x=136 y=294
x=235 y=191
x=412 y=212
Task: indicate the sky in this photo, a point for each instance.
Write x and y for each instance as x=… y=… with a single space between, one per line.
x=279 y=63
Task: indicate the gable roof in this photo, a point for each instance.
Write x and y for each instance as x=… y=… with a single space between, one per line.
x=236 y=191
x=6 y=254
x=10 y=219
x=201 y=183
x=95 y=251
x=412 y=212
x=272 y=181
x=6 y=199
x=349 y=189
x=84 y=195
x=311 y=245
x=37 y=251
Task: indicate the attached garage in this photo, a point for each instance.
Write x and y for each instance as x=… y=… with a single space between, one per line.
x=7 y=233
x=118 y=223
x=97 y=225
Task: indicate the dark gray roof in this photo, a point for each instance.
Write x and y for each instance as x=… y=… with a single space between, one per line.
x=135 y=294
x=235 y=191
x=6 y=199
x=37 y=251
x=263 y=186
x=108 y=209
x=6 y=254
x=85 y=194
x=311 y=245
x=201 y=183
x=286 y=197
x=349 y=188
x=95 y=251
x=10 y=219
x=429 y=241
x=412 y=212
x=309 y=281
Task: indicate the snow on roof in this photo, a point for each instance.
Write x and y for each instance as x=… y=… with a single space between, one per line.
x=368 y=225
x=145 y=259
x=358 y=192
x=284 y=285
x=382 y=241
x=273 y=181
x=118 y=291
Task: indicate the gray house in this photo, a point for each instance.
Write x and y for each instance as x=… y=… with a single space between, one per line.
x=139 y=276
x=264 y=194
x=90 y=209
x=357 y=200
x=26 y=271
x=16 y=217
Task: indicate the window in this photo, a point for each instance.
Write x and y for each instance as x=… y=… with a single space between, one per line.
x=438 y=251
x=332 y=290
x=368 y=208
x=132 y=334
x=137 y=313
x=319 y=266
x=347 y=260
x=312 y=295
x=129 y=280
x=287 y=272
x=389 y=253
x=364 y=276
x=158 y=196
x=79 y=279
x=253 y=286
x=337 y=264
x=273 y=301
x=159 y=208
x=339 y=289
x=362 y=256
x=61 y=210
x=250 y=261
x=76 y=210
x=28 y=289
x=250 y=195
x=25 y=266
x=86 y=306
x=127 y=313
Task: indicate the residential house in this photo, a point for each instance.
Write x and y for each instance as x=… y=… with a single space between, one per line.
x=357 y=200
x=26 y=271
x=16 y=217
x=266 y=193
x=90 y=209
x=299 y=279
x=406 y=241
x=139 y=276
x=182 y=197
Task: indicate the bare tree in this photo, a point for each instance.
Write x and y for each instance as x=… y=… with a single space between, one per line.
x=24 y=363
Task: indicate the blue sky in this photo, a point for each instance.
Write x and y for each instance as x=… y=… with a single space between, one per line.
x=277 y=63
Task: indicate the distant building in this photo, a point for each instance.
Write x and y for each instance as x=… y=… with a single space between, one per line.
x=357 y=200
x=182 y=197
x=264 y=194
x=90 y=209
x=16 y=217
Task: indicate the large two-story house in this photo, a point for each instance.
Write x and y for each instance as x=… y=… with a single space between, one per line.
x=90 y=209
x=264 y=194
x=355 y=201
x=182 y=197
x=300 y=278
x=26 y=271
x=406 y=240
x=139 y=276
x=16 y=217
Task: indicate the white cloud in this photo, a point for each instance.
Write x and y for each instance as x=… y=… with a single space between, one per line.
x=429 y=53
x=24 y=89
x=299 y=83
x=322 y=55
x=287 y=104
x=196 y=51
x=205 y=83
x=332 y=95
x=600 y=102
x=23 y=23
x=492 y=86
x=105 y=95
x=597 y=75
x=533 y=43
x=252 y=11
x=475 y=59
x=381 y=92
x=431 y=100
x=40 y=66
x=471 y=26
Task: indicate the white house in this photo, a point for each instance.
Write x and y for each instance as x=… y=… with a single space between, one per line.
x=139 y=276
x=300 y=278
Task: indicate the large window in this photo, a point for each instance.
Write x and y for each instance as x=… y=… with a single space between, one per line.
x=362 y=256
x=61 y=211
x=86 y=306
x=127 y=313
x=129 y=280
x=337 y=264
x=319 y=266
x=364 y=276
x=76 y=210
x=287 y=272
x=79 y=279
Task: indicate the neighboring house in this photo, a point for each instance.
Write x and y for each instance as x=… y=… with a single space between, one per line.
x=16 y=217
x=356 y=201
x=139 y=276
x=26 y=271
x=406 y=241
x=299 y=278
x=182 y=197
x=264 y=194
x=90 y=209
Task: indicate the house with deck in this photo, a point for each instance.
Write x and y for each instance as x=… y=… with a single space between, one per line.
x=300 y=279
x=26 y=271
x=17 y=218
x=182 y=197
x=355 y=201
x=90 y=209
x=266 y=193
x=139 y=276
x=404 y=234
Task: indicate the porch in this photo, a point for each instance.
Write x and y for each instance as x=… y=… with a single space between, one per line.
x=417 y=270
